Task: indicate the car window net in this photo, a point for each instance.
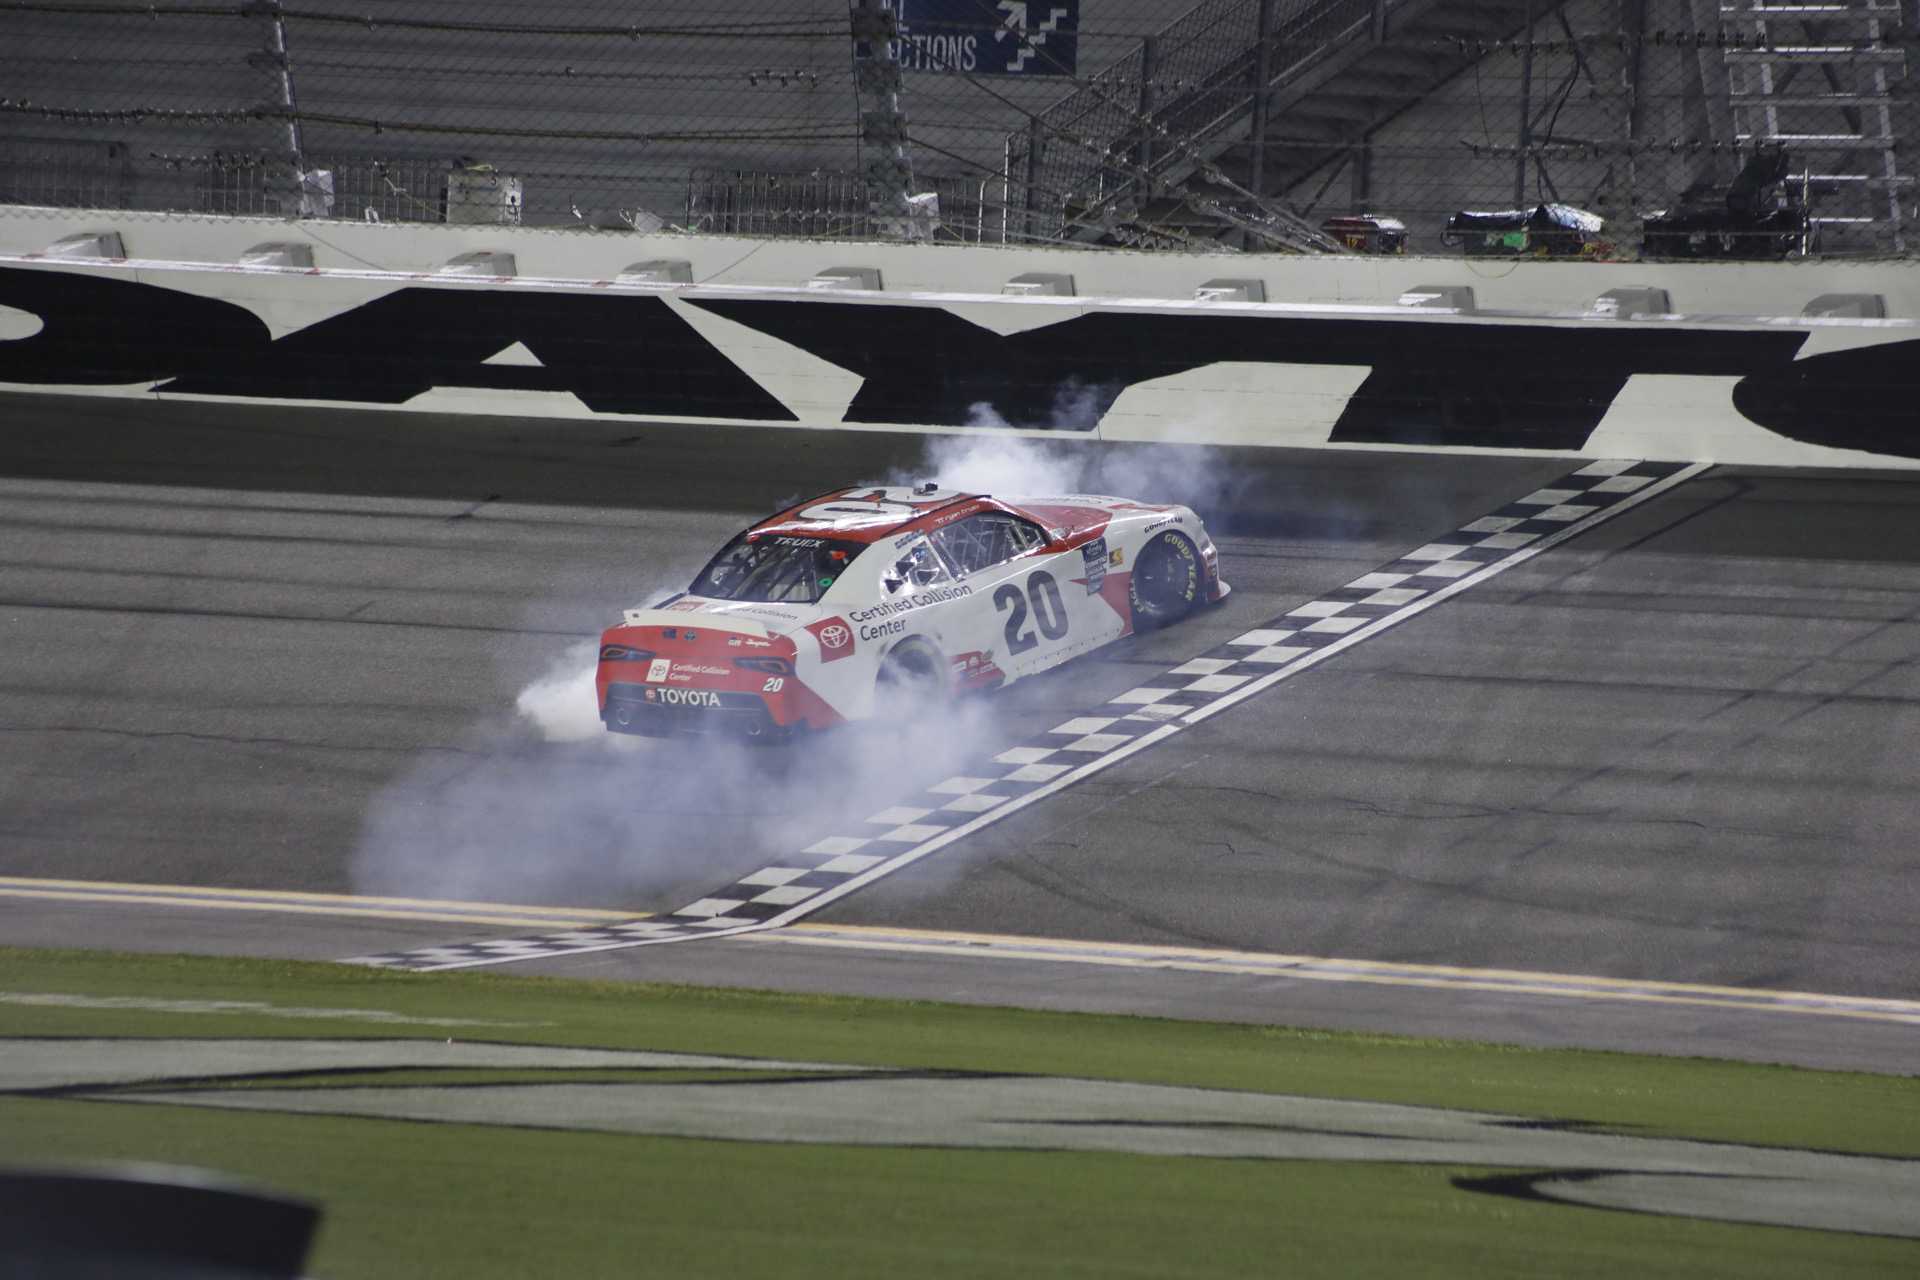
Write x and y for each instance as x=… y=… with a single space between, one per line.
x=919 y=565
x=981 y=541
x=776 y=568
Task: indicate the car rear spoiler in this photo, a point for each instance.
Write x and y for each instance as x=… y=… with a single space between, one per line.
x=698 y=621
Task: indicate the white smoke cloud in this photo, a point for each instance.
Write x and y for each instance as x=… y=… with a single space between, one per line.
x=1012 y=465
x=564 y=705
x=999 y=464
x=1077 y=406
x=538 y=803
x=529 y=812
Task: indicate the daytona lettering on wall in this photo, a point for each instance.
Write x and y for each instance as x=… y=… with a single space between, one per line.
x=835 y=637
x=1508 y=385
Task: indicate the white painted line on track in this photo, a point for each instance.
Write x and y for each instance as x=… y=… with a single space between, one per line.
x=1563 y=986
x=1344 y=617
x=246 y=1008
x=322 y=904
x=1000 y=947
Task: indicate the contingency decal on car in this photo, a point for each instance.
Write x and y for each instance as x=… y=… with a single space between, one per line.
x=835 y=637
x=1095 y=555
x=801 y=883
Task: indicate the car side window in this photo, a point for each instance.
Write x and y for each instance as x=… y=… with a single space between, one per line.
x=984 y=540
x=917 y=564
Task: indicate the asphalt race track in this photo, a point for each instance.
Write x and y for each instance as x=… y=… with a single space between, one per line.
x=278 y=650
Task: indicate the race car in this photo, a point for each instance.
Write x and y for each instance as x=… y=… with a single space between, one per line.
x=872 y=600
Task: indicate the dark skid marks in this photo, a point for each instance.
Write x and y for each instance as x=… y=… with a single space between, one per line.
x=1512 y=386
x=618 y=354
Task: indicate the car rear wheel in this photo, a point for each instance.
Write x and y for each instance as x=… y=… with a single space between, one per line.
x=1165 y=584
x=913 y=675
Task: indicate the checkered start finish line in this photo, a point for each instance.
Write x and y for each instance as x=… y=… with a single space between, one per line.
x=799 y=884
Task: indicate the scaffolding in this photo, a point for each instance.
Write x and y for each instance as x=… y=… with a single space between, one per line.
x=1237 y=125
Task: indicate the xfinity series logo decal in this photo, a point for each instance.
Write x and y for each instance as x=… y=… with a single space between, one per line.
x=835 y=637
x=1094 y=556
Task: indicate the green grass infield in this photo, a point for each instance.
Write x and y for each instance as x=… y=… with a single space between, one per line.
x=406 y=1198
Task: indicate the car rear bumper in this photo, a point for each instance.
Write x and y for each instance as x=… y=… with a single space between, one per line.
x=639 y=709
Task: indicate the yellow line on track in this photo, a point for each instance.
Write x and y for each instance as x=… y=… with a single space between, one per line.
x=994 y=946
x=1322 y=969
x=321 y=904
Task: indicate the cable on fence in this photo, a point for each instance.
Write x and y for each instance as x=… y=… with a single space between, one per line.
x=142 y=115
x=1292 y=234
x=1172 y=233
x=783 y=29
x=1135 y=151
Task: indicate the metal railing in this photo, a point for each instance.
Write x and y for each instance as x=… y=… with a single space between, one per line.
x=1167 y=107
x=1211 y=132
x=66 y=174
x=361 y=188
x=825 y=205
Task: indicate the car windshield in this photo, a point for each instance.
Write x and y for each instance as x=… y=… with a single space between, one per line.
x=776 y=567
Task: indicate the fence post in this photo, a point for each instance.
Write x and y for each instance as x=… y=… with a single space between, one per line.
x=1262 y=74
x=1526 y=111
x=1036 y=139
x=883 y=125
x=1149 y=68
x=1006 y=193
x=290 y=175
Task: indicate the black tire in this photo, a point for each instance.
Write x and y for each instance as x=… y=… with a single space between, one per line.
x=1166 y=581
x=913 y=676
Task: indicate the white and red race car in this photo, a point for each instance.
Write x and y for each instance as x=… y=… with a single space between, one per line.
x=828 y=611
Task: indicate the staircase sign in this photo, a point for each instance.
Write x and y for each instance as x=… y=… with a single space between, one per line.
x=989 y=37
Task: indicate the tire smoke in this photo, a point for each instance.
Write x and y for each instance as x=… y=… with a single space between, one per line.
x=1077 y=405
x=1013 y=466
x=539 y=803
x=561 y=704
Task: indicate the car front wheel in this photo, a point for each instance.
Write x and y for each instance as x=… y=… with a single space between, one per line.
x=1165 y=584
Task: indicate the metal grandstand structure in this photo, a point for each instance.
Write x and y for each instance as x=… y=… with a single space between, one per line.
x=1236 y=125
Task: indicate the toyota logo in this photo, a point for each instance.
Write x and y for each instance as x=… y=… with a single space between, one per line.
x=835 y=637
